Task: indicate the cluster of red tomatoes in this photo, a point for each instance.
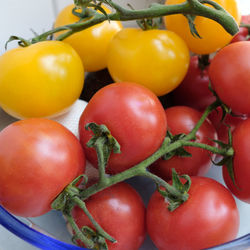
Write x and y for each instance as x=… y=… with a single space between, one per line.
x=39 y=157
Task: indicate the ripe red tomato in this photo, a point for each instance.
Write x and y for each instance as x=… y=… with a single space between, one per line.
x=222 y=126
x=194 y=91
x=243 y=33
x=182 y=119
x=241 y=163
x=120 y=212
x=134 y=116
x=229 y=73
x=208 y=218
x=38 y=159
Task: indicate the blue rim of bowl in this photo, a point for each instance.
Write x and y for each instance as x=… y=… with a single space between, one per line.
x=43 y=241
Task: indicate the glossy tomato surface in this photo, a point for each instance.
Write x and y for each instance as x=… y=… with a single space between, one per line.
x=222 y=126
x=91 y=44
x=41 y=80
x=243 y=33
x=120 y=212
x=134 y=116
x=229 y=72
x=193 y=90
x=182 y=119
x=38 y=159
x=213 y=36
x=208 y=218
x=156 y=59
x=241 y=163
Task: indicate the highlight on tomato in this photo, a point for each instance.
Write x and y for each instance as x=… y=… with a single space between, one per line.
x=212 y=35
x=120 y=211
x=135 y=118
x=91 y=44
x=38 y=159
x=208 y=218
x=240 y=187
x=41 y=80
x=181 y=120
x=229 y=73
x=156 y=59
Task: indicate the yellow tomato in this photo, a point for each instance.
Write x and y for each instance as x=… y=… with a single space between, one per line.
x=157 y=59
x=41 y=80
x=91 y=44
x=213 y=36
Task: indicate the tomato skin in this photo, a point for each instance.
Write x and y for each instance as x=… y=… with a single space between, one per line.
x=193 y=90
x=47 y=84
x=243 y=32
x=134 y=116
x=229 y=72
x=209 y=217
x=241 y=163
x=120 y=211
x=38 y=159
x=92 y=43
x=213 y=36
x=222 y=126
x=241 y=35
x=182 y=119
x=159 y=63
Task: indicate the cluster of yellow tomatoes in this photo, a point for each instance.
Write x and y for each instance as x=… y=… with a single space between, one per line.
x=46 y=78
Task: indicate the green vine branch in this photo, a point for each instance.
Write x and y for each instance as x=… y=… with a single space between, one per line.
x=190 y=7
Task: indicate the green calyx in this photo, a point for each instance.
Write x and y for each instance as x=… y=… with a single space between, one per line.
x=179 y=191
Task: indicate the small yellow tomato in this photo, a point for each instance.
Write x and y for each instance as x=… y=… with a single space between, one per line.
x=213 y=36
x=157 y=59
x=41 y=80
x=91 y=44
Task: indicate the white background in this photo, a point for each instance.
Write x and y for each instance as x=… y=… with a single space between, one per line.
x=18 y=17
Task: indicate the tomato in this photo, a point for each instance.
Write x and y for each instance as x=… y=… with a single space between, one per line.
x=134 y=116
x=41 y=80
x=156 y=59
x=38 y=159
x=120 y=212
x=91 y=44
x=229 y=72
x=182 y=119
x=243 y=33
x=209 y=217
x=222 y=127
x=241 y=163
x=213 y=36
x=193 y=90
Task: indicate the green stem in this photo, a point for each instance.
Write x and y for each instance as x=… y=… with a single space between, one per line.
x=101 y=161
x=88 y=243
x=166 y=147
x=215 y=150
x=98 y=228
x=192 y=7
x=208 y=110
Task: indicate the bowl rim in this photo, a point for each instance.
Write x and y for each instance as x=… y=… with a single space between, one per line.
x=43 y=241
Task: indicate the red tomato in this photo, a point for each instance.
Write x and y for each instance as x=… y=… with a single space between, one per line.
x=120 y=212
x=182 y=119
x=243 y=34
x=38 y=159
x=241 y=163
x=134 y=116
x=209 y=217
x=222 y=126
x=229 y=73
x=194 y=91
